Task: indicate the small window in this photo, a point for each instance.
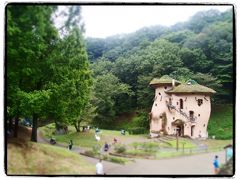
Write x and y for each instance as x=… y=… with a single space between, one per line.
x=155 y=104
x=173 y=118
x=159 y=94
x=200 y=101
x=165 y=87
x=177 y=103
x=181 y=104
x=198 y=115
x=204 y=125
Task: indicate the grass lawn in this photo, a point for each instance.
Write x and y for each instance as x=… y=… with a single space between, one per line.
x=30 y=158
x=136 y=145
x=216 y=144
x=182 y=142
x=87 y=139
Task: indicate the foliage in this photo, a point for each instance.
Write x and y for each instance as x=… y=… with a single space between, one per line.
x=28 y=67
x=199 y=49
x=221 y=122
x=50 y=78
x=120 y=148
x=139 y=124
x=117 y=160
x=137 y=130
x=108 y=91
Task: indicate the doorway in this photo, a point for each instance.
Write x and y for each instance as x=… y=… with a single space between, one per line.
x=179 y=130
x=192 y=130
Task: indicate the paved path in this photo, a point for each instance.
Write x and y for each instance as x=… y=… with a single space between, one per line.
x=201 y=164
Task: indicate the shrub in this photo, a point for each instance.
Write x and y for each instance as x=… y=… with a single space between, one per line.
x=136 y=130
x=135 y=145
x=116 y=160
x=120 y=148
x=150 y=147
x=89 y=153
x=96 y=149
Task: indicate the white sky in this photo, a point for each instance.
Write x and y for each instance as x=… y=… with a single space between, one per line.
x=103 y=21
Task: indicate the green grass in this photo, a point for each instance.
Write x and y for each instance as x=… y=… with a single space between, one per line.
x=41 y=159
x=87 y=139
x=221 y=122
x=139 y=153
x=218 y=144
x=187 y=143
x=83 y=139
x=167 y=154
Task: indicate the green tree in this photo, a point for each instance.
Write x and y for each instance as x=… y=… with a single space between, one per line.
x=27 y=70
x=107 y=89
x=71 y=80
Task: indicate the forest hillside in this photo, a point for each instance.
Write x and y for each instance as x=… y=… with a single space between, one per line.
x=123 y=65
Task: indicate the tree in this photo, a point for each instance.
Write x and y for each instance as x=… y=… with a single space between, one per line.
x=71 y=80
x=107 y=89
x=27 y=69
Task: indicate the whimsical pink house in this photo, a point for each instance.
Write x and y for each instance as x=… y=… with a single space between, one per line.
x=182 y=109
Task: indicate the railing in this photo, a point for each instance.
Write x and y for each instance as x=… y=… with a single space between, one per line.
x=190 y=118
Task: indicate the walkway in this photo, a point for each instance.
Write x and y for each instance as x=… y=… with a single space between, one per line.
x=200 y=164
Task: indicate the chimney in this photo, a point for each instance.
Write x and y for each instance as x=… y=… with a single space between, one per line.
x=173 y=83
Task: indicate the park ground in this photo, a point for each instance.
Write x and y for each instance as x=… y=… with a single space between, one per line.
x=57 y=159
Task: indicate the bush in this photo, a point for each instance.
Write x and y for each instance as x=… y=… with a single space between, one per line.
x=139 y=153
x=96 y=149
x=120 y=148
x=90 y=153
x=136 y=130
x=135 y=145
x=150 y=147
x=117 y=160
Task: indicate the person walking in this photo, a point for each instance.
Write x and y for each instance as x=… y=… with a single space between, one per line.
x=70 y=145
x=106 y=147
x=216 y=165
x=99 y=168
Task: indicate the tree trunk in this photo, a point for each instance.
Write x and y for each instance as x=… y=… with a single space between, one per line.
x=16 y=127
x=34 y=129
x=10 y=126
x=77 y=127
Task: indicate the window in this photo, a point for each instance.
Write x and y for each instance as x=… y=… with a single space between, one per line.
x=181 y=104
x=159 y=94
x=191 y=115
x=155 y=104
x=200 y=101
x=165 y=87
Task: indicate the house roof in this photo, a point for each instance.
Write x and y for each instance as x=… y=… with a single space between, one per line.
x=191 y=87
x=228 y=146
x=162 y=81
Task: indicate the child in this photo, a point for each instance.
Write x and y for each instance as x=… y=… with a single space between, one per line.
x=216 y=165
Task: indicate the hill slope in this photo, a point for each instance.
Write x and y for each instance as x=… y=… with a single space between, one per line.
x=221 y=122
x=28 y=158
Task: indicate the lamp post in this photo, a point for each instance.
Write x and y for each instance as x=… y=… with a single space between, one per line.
x=177 y=140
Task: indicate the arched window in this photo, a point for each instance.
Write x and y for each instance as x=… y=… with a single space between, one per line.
x=181 y=104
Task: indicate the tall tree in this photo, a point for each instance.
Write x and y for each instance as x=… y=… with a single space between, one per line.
x=31 y=37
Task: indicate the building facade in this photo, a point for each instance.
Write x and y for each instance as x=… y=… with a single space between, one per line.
x=180 y=109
